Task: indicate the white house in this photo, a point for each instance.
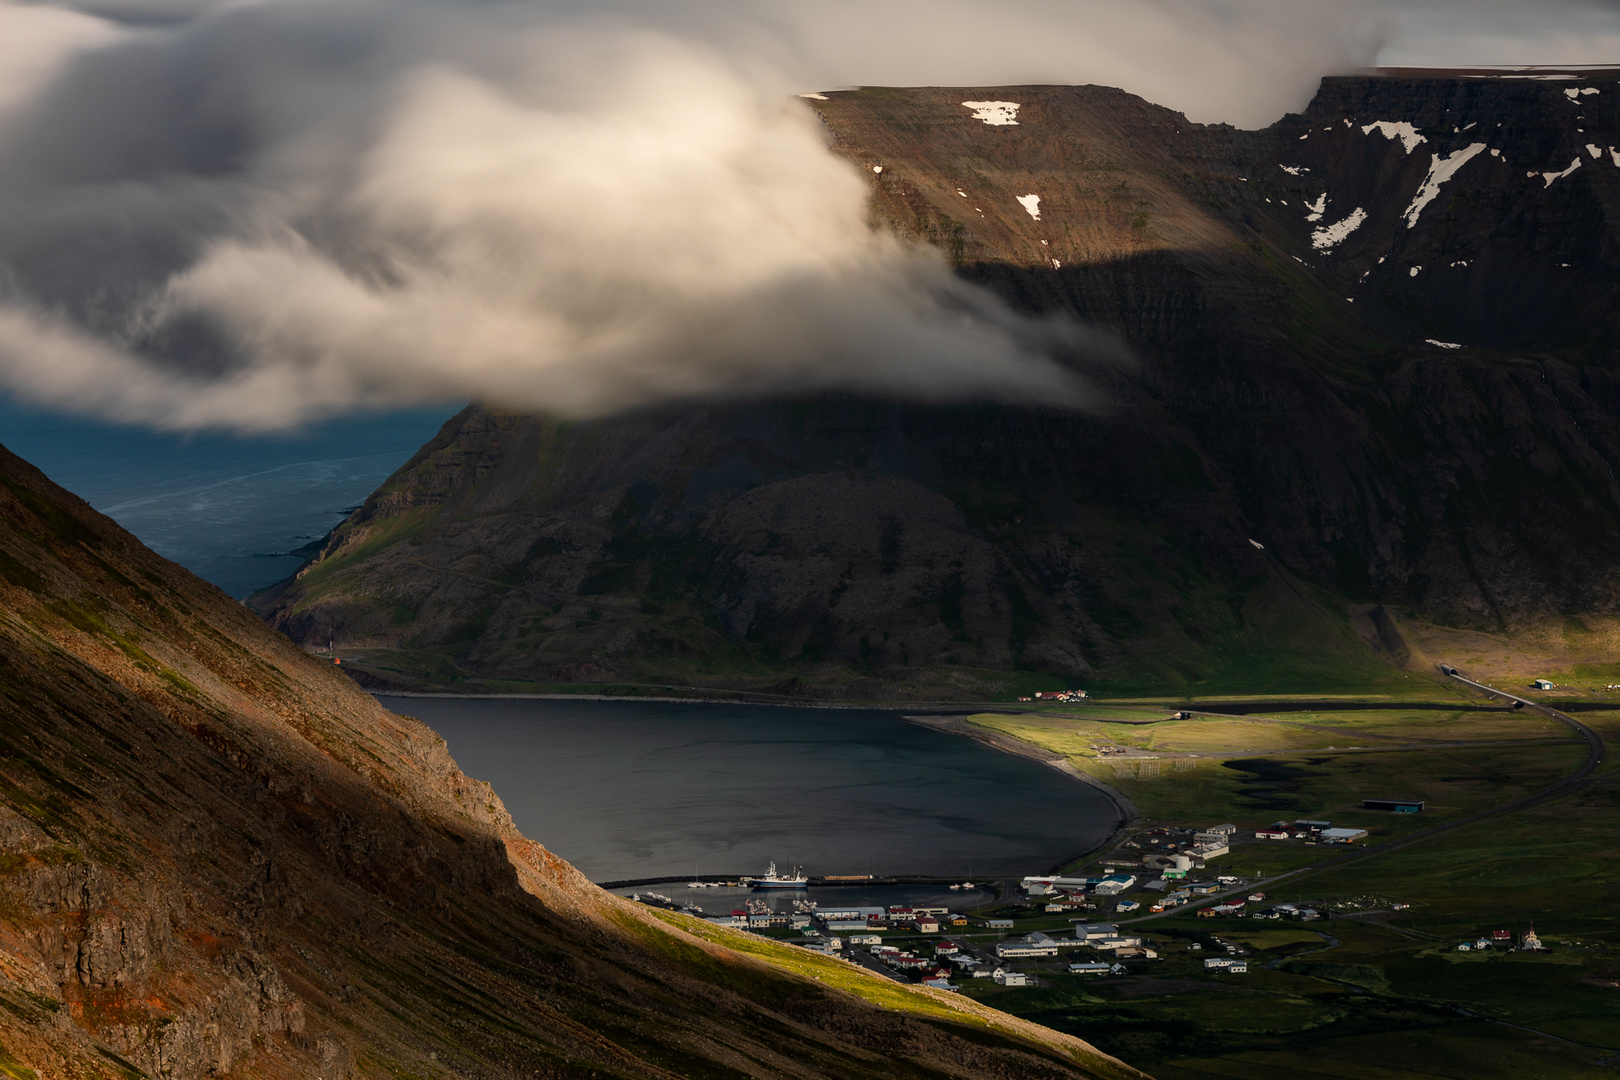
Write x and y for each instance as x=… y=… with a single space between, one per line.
x=1036 y=944
x=1039 y=886
x=1114 y=884
x=1118 y=941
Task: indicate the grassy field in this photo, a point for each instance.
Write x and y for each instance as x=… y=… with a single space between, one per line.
x=1371 y=993
x=1251 y=772
x=1077 y=731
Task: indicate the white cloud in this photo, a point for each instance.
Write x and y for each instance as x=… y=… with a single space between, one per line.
x=263 y=211
x=34 y=43
x=658 y=229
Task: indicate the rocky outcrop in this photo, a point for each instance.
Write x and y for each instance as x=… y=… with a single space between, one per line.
x=1377 y=338
x=219 y=858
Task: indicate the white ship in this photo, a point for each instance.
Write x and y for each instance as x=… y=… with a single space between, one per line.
x=773 y=880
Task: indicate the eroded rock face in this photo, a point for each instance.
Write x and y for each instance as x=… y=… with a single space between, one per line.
x=1378 y=337
x=219 y=858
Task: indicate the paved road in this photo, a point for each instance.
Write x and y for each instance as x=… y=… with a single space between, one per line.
x=1594 y=758
x=1594 y=741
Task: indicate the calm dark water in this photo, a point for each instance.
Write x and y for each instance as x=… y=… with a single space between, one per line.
x=228 y=508
x=643 y=789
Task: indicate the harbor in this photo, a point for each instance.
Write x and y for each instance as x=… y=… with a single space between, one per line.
x=721 y=898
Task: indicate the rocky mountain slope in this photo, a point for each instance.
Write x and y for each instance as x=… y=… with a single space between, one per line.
x=1377 y=339
x=218 y=858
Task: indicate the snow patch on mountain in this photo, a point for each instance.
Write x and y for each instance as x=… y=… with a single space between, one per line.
x=1392 y=129
x=1441 y=169
x=1328 y=237
x=1551 y=177
x=994 y=113
x=1032 y=203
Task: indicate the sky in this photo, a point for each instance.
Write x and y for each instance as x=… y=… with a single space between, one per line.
x=252 y=216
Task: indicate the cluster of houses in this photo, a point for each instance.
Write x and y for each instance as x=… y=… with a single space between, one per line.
x=1320 y=832
x=1184 y=849
x=1503 y=939
x=1057 y=695
x=1073 y=891
x=924 y=920
x=948 y=959
x=1232 y=965
x=1190 y=891
x=1104 y=937
x=1169 y=855
x=1174 y=854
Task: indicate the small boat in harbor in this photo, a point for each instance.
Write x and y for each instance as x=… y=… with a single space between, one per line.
x=773 y=880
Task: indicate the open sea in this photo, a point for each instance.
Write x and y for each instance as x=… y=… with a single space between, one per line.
x=229 y=508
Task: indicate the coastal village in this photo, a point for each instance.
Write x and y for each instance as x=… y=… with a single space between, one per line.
x=1047 y=929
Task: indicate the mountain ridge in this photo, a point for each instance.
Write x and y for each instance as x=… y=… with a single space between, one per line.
x=1313 y=399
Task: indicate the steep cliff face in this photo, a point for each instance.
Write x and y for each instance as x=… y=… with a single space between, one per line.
x=1377 y=337
x=219 y=858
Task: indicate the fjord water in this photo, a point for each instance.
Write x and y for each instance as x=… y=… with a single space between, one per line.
x=628 y=790
x=231 y=509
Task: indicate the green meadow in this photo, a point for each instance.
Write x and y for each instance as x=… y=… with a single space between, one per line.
x=1370 y=993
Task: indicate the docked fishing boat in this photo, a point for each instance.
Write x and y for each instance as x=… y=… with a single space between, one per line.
x=773 y=880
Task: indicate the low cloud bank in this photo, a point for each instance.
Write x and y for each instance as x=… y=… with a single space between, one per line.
x=255 y=215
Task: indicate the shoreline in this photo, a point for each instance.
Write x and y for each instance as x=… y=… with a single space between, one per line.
x=877 y=706
x=1129 y=815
